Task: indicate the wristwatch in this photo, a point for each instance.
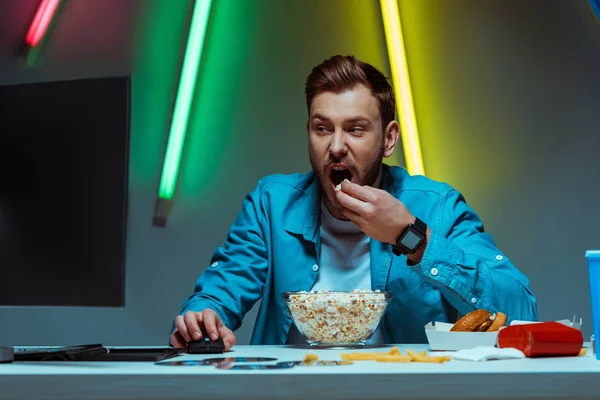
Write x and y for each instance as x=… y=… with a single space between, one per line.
x=411 y=238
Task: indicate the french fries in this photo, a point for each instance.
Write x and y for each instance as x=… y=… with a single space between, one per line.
x=393 y=358
x=425 y=358
x=395 y=355
x=394 y=351
x=360 y=356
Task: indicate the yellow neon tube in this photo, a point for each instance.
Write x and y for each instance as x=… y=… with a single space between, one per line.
x=402 y=91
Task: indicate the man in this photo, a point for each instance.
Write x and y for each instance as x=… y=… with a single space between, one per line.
x=352 y=223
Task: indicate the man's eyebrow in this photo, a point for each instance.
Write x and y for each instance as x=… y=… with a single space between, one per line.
x=321 y=117
x=355 y=120
x=352 y=120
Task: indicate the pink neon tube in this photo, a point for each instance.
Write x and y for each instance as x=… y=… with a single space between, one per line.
x=40 y=23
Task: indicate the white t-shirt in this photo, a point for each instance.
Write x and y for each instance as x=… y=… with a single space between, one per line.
x=345 y=263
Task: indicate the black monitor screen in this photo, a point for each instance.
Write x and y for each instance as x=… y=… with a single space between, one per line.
x=63 y=192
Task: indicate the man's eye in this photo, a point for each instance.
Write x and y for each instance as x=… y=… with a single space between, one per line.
x=322 y=129
x=356 y=129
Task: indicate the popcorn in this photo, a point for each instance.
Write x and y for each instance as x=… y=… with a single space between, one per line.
x=337 y=317
x=339 y=186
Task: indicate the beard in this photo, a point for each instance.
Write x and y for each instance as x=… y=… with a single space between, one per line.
x=366 y=175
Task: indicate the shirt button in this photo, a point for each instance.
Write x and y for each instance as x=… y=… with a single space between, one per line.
x=499 y=257
x=315 y=267
x=434 y=271
x=473 y=300
x=214 y=264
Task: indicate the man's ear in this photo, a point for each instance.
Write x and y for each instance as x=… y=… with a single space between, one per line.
x=391 y=135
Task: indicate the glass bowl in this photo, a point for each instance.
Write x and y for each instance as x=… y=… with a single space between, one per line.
x=337 y=318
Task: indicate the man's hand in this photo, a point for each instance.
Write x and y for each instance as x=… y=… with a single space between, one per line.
x=377 y=213
x=192 y=325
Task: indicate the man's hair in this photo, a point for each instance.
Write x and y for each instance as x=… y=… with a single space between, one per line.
x=340 y=73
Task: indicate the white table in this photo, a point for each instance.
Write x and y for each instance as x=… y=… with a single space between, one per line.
x=573 y=378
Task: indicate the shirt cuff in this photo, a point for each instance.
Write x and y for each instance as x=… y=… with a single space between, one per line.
x=439 y=260
x=440 y=267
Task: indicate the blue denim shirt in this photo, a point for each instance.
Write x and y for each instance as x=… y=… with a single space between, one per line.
x=273 y=245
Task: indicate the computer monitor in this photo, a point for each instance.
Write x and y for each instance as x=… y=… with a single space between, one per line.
x=64 y=154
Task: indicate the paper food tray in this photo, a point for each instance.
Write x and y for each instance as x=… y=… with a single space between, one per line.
x=440 y=337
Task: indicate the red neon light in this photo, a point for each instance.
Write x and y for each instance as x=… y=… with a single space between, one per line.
x=41 y=21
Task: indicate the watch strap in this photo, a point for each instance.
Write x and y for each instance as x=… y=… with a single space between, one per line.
x=420 y=226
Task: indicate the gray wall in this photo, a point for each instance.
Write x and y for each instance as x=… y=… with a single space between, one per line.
x=507 y=97
x=506 y=94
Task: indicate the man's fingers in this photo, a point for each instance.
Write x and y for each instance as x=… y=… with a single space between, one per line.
x=210 y=325
x=351 y=203
x=228 y=337
x=181 y=328
x=353 y=217
x=365 y=193
x=193 y=327
x=177 y=340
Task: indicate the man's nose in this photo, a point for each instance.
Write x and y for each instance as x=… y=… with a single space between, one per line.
x=337 y=147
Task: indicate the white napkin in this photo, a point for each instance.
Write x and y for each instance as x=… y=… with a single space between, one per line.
x=487 y=353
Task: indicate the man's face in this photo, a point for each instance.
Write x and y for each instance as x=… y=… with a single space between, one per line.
x=346 y=141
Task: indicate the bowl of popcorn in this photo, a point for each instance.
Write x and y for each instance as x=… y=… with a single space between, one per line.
x=335 y=318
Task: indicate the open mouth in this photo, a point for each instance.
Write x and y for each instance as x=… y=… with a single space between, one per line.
x=338 y=174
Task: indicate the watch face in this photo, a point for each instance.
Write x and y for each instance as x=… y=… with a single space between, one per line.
x=410 y=239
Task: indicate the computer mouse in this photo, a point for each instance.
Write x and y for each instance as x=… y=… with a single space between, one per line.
x=206 y=346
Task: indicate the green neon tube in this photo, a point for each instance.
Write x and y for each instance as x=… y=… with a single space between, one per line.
x=183 y=101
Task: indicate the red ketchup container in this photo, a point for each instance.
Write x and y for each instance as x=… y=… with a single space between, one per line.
x=546 y=339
